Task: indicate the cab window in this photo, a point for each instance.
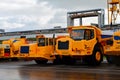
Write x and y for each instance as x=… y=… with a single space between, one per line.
x=41 y=42
x=46 y=41
x=77 y=34
x=89 y=34
x=50 y=41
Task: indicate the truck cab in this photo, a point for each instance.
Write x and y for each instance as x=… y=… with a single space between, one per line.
x=84 y=42
x=41 y=51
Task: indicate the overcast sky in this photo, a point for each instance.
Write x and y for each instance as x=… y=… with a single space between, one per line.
x=18 y=15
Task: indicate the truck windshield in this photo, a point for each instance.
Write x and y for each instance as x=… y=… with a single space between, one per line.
x=81 y=34
x=77 y=34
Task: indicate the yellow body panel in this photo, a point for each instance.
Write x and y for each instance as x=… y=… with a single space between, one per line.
x=37 y=52
x=31 y=51
x=77 y=48
x=114 y=49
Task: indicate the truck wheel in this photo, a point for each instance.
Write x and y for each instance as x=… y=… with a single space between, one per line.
x=117 y=60
x=41 y=61
x=14 y=59
x=110 y=59
x=57 y=61
x=95 y=59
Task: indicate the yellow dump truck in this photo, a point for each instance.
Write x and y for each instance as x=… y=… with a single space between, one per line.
x=41 y=52
x=84 y=43
x=112 y=49
x=10 y=48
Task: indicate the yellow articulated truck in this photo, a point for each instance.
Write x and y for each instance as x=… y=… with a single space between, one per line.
x=84 y=42
x=112 y=49
x=41 y=52
x=10 y=48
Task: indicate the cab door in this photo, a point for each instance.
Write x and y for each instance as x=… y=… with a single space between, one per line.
x=90 y=40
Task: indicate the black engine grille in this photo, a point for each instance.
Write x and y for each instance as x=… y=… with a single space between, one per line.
x=63 y=45
x=24 y=49
x=7 y=50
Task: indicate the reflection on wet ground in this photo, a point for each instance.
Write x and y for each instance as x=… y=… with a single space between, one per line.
x=32 y=71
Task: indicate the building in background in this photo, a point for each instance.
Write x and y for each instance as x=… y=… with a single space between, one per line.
x=2 y=30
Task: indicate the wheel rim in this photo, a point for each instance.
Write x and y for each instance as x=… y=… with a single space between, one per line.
x=98 y=56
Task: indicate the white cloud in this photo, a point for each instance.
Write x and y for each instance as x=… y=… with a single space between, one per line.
x=25 y=13
x=7 y=25
x=41 y=14
x=16 y=4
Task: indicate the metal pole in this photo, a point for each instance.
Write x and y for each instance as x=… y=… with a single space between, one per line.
x=80 y=21
x=108 y=11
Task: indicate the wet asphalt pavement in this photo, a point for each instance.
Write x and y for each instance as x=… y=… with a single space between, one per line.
x=29 y=70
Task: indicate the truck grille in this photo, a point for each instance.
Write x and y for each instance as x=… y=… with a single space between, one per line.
x=63 y=45
x=7 y=52
x=24 y=49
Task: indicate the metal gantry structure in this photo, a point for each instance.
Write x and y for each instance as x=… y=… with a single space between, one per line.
x=86 y=13
x=113 y=11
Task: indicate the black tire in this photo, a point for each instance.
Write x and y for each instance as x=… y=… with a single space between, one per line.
x=117 y=60
x=110 y=59
x=41 y=61
x=57 y=61
x=92 y=60
x=14 y=59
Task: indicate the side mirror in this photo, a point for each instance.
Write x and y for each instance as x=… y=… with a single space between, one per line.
x=109 y=42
